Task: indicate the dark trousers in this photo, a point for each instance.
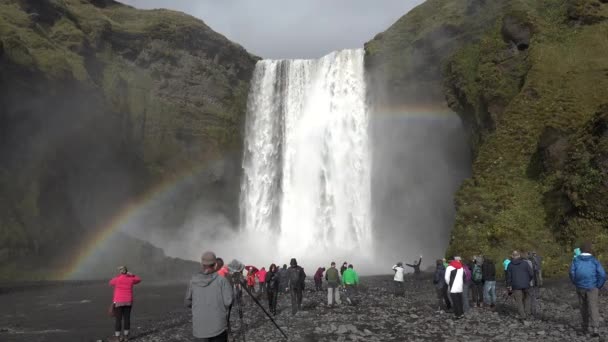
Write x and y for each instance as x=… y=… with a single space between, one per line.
x=399 y=291
x=273 y=295
x=442 y=297
x=122 y=313
x=223 y=337
x=318 y=284
x=296 y=300
x=457 y=301
x=477 y=293
x=262 y=287
x=522 y=299
x=588 y=299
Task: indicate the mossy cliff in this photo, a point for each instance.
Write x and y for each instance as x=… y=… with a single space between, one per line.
x=98 y=103
x=530 y=82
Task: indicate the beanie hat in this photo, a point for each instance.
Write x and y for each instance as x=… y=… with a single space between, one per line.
x=293 y=262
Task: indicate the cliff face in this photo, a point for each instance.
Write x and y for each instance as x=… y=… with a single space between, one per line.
x=529 y=80
x=98 y=103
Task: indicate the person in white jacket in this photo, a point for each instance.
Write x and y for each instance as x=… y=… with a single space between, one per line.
x=398 y=279
x=454 y=277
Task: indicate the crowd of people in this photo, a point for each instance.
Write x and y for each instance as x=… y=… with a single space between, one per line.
x=460 y=286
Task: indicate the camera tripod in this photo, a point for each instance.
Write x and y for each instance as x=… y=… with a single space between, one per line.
x=238 y=285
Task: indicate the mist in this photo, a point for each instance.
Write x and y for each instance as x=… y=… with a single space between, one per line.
x=419 y=161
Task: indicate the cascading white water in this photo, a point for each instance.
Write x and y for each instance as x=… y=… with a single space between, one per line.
x=307 y=157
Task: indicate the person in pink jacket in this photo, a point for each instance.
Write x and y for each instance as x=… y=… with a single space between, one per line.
x=123 y=301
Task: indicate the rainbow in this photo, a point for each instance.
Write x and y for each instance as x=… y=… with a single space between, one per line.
x=136 y=207
x=127 y=214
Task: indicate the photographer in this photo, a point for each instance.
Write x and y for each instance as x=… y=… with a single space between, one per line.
x=209 y=296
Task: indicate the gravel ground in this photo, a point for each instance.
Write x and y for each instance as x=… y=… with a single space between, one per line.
x=77 y=313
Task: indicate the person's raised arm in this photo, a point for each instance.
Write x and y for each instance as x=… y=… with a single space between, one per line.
x=136 y=279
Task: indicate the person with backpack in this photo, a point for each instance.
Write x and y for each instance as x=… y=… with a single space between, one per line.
x=350 y=279
x=588 y=275
x=122 y=302
x=296 y=277
x=454 y=277
x=333 y=282
x=488 y=270
x=272 y=288
x=537 y=262
x=319 y=279
x=477 y=281
x=441 y=287
x=533 y=291
x=398 y=279
x=519 y=276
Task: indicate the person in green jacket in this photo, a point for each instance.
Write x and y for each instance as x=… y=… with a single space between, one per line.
x=350 y=279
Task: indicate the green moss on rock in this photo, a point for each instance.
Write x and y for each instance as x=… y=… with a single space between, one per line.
x=515 y=71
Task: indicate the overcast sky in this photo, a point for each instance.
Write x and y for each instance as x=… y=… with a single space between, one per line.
x=292 y=28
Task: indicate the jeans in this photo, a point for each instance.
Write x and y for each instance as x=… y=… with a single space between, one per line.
x=296 y=300
x=349 y=293
x=489 y=292
x=589 y=301
x=442 y=298
x=122 y=313
x=522 y=299
x=333 y=295
x=223 y=337
x=457 y=301
x=465 y=297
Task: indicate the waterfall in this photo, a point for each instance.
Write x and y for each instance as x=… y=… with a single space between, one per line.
x=306 y=179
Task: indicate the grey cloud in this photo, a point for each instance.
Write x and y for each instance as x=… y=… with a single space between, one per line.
x=289 y=28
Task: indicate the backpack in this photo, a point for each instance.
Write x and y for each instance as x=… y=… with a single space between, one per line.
x=296 y=277
x=477 y=275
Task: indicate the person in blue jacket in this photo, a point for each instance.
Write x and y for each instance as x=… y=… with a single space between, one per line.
x=588 y=275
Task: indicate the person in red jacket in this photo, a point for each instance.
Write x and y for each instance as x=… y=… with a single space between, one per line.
x=222 y=270
x=251 y=271
x=123 y=301
x=261 y=275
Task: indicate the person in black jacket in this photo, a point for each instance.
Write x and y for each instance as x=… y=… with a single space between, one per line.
x=273 y=281
x=519 y=276
x=296 y=277
x=343 y=268
x=441 y=287
x=488 y=270
x=416 y=266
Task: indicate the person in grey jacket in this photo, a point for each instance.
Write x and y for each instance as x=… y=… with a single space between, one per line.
x=209 y=296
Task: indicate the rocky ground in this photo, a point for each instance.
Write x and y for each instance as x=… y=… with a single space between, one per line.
x=376 y=316
x=379 y=316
